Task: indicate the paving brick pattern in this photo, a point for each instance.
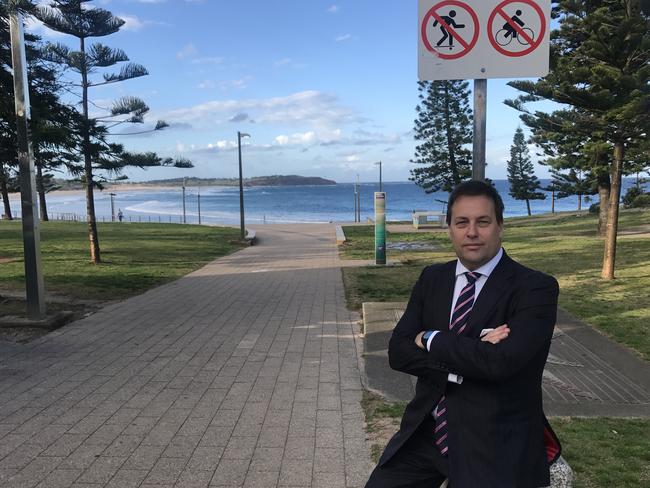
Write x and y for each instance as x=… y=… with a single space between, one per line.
x=244 y=373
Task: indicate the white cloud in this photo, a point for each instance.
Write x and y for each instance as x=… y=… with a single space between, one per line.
x=131 y=23
x=238 y=84
x=282 y=62
x=333 y=9
x=321 y=111
x=206 y=85
x=35 y=26
x=352 y=158
x=305 y=138
x=208 y=60
x=343 y=38
x=188 y=51
x=225 y=144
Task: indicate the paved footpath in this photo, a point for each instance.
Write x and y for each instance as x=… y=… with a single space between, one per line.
x=243 y=373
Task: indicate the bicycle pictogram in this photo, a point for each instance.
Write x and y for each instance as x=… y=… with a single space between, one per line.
x=508 y=32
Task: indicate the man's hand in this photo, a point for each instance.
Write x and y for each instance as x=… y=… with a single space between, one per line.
x=418 y=340
x=497 y=335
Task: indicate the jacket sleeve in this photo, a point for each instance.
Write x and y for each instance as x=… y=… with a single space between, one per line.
x=403 y=354
x=531 y=328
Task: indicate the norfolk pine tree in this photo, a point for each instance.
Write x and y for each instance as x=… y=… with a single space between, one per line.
x=73 y=17
x=47 y=112
x=443 y=129
x=524 y=185
x=600 y=67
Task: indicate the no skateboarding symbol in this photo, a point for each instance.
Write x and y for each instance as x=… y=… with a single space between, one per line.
x=450 y=29
x=516 y=27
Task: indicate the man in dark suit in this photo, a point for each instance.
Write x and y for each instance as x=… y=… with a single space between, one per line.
x=476 y=333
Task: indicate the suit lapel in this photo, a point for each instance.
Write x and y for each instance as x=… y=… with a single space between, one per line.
x=495 y=287
x=445 y=294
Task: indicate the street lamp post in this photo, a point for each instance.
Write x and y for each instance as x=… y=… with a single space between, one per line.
x=242 y=228
x=112 y=206
x=184 y=218
x=358 y=200
x=380 y=185
x=34 y=286
x=198 y=198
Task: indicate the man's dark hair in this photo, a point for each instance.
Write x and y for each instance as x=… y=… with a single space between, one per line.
x=474 y=188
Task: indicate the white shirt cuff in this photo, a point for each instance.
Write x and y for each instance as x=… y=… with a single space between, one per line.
x=430 y=339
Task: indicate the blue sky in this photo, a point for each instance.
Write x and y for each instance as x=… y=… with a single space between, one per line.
x=325 y=88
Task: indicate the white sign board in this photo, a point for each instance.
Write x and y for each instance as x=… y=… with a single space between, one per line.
x=469 y=39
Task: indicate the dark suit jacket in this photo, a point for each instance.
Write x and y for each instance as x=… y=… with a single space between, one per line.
x=498 y=434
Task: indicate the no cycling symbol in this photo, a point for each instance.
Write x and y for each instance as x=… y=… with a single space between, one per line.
x=447 y=29
x=450 y=29
x=516 y=37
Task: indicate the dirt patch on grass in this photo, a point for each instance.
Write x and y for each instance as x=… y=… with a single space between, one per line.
x=13 y=309
x=7 y=260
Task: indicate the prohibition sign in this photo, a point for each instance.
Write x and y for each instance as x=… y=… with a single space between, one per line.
x=433 y=14
x=532 y=43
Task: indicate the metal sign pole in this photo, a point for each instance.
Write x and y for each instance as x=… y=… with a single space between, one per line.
x=31 y=233
x=480 y=122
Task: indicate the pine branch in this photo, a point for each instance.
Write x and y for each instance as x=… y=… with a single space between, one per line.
x=128 y=71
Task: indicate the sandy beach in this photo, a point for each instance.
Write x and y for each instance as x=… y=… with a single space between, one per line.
x=109 y=189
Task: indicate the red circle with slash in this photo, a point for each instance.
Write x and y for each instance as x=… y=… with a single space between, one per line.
x=432 y=13
x=533 y=44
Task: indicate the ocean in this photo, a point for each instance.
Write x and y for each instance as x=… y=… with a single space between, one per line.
x=285 y=204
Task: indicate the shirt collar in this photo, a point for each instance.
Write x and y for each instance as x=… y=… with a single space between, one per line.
x=484 y=270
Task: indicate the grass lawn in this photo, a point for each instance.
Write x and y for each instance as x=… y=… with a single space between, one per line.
x=135 y=257
x=603 y=452
x=565 y=246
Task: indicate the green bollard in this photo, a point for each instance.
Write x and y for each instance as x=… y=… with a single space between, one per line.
x=380 y=227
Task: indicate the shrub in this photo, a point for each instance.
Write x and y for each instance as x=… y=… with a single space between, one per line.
x=642 y=201
x=631 y=193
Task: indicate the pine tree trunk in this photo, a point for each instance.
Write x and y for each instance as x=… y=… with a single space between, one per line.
x=604 y=190
x=553 y=202
x=95 y=257
x=5 y=194
x=40 y=188
x=579 y=202
x=528 y=207
x=609 y=258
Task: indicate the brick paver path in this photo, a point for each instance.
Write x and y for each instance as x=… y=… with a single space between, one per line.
x=243 y=373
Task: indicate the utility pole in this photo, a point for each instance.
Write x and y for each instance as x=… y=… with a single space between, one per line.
x=242 y=228
x=358 y=200
x=184 y=219
x=35 y=288
x=199 y=203
x=355 y=201
x=112 y=206
x=380 y=185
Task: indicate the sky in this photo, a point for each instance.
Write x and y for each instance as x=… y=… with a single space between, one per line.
x=324 y=88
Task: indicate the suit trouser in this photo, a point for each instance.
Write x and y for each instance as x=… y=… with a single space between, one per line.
x=418 y=463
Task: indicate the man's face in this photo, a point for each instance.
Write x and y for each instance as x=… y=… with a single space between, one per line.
x=474 y=231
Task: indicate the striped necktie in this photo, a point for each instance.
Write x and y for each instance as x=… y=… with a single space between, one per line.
x=459 y=319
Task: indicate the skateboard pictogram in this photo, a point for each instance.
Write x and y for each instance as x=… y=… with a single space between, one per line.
x=444 y=34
